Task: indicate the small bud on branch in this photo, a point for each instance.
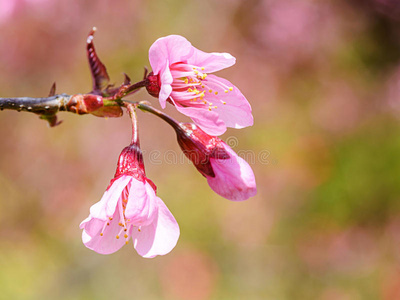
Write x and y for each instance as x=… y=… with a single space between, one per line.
x=102 y=101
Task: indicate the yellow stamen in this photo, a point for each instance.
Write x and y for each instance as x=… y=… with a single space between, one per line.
x=117 y=237
x=223 y=102
x=125 y=236
x=216 y=93
x=101 y=234
x=230 y=88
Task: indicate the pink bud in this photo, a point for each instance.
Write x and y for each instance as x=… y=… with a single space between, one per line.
x=228 y=175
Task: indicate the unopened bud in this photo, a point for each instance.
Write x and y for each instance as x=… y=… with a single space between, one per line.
x=84 y=104
x=93 y=104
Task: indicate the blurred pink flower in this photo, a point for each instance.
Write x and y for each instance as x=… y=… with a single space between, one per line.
x=8 y=8
x=292 y=34
x=181 y=70
x=130 y=209
x=229 y=175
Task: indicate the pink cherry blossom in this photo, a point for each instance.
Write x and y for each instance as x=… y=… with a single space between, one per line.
x=130 y=209
x=229 y=175
x=182 y=72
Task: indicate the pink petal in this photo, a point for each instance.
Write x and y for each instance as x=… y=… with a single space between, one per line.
x=106 y=244
x=236 y=113
x=158 y=238
x=211 y=62
x=166 y=88
x=169 y=50
x=208 y=121
x=92 y=225
x=234 y=179
x=106 y=206
x=142 y=207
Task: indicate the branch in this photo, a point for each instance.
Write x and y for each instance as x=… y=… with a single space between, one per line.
x=42 y=106
x=48 y=107
x=103 y=101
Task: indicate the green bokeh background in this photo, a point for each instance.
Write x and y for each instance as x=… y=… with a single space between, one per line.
x=323 y=80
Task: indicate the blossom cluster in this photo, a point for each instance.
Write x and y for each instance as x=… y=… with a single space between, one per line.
x=130 y=208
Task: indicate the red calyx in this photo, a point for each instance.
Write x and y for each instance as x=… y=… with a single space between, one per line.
x=130 y=163
x=153 y=84
x=199 y=147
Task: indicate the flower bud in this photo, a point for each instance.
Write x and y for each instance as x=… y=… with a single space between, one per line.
x=227 y=174
x=93 y=104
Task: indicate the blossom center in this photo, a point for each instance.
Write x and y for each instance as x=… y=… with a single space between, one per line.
x=191 y=86
x=119 y=216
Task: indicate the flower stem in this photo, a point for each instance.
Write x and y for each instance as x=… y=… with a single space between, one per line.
x=132 y=113
x=135 y=86
x=143 y=106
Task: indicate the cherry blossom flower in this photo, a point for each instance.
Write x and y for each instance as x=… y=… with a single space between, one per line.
x=181 y=73
x=229 y=175
x=130 y=209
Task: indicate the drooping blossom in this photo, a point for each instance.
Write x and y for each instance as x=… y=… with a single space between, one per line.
x=229 y=175
x=130 y=209
x=181 y=76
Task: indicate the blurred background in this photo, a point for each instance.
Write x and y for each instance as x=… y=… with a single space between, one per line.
x=323 y=78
